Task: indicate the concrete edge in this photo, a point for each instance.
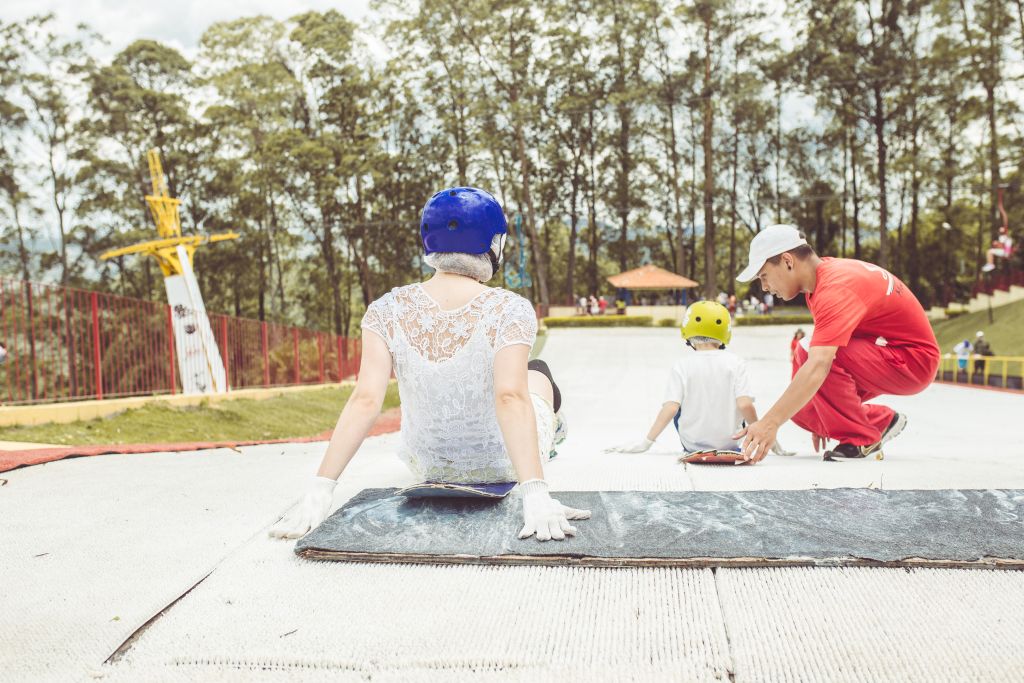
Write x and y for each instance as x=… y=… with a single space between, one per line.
x=61 y=413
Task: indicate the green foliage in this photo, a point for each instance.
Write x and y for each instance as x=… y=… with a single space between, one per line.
x=754 y=320
x=600 y=321
x=668 y=322
x=597 y=122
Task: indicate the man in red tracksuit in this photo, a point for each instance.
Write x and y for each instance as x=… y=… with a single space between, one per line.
x=871 y=337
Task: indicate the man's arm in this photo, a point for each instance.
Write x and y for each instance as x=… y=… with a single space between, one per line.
x=761 y=434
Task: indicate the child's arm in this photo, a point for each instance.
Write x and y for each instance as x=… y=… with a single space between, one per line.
x=745 y=405
x=665 y=415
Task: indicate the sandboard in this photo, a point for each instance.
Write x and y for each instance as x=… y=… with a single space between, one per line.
x=438 y=489
x=817 y=527
x=715 y=457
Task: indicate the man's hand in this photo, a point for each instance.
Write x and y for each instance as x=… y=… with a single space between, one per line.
x=757 y=437
x=310 y=511
x=819 y=442
x=640 y=446
x=545 y=517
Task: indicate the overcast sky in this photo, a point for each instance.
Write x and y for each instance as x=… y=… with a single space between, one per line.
x=178 y=23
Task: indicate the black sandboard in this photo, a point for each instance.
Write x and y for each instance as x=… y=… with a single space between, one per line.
x=818 y=527
x=441 y=489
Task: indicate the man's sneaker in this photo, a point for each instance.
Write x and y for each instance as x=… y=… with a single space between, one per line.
x=988 y=267
x=896 y=425
x=848 y=450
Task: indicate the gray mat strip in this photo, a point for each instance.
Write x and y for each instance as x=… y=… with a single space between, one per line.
x=839 y=527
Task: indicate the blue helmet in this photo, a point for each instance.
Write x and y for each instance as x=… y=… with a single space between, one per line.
x=462 y=220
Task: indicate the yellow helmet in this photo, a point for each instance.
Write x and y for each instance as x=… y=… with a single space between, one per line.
x=707 y=319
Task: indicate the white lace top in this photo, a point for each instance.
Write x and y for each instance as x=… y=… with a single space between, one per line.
x=444 y=361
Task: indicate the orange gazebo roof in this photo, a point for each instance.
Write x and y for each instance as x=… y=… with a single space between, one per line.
x=650 y=277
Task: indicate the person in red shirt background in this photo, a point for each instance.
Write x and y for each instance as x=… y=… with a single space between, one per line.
x=797 y=336
x=871 y=337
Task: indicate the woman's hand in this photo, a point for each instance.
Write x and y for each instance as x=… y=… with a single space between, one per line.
x=544 y=516
x=310 y=511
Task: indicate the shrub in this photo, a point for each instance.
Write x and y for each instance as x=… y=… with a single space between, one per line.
x=600 y=321
x=775 y=320
x=667 y=322
x=954 y=312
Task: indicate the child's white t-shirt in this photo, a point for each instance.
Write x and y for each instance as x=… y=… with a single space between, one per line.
x=706 y=385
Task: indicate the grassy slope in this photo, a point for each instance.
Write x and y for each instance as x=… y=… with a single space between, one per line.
x=1006 y=334
x=302 y=413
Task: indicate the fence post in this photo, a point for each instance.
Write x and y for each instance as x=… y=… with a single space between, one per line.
x=320 y=354
x=266 y=354
x=33 y=393
x=96 y=355
x=341 y=359
x=295 y=343
x=224 y=352
x=170 y=348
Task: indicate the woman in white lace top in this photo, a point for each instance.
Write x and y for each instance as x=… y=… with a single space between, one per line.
x=472 y=410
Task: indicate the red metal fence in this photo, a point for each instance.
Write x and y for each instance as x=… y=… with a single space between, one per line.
x=66 y=344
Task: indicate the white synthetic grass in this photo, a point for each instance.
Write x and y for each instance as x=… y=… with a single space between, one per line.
x=91 y=548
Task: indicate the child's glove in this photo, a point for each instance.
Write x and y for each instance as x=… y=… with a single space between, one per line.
x=633 y=447
x=310 y=511
x=545 y=516
x=777 y=449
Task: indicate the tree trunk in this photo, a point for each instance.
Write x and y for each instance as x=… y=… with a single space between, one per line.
x=710 y=274
x=539 y=264
x=993 y=157
x=732 y=220
x=856 y=196
x=883 y=205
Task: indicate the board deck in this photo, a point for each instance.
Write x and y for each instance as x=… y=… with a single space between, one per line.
x=718 y=457
x=817 y=527
x=437 y=489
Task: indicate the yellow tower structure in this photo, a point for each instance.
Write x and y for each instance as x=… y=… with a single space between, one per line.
x=199 y=360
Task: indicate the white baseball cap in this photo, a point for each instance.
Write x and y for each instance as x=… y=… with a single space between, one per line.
x=772 y=241
x=980 y=334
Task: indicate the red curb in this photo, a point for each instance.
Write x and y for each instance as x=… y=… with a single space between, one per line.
x=979 y=386
x=387 y=422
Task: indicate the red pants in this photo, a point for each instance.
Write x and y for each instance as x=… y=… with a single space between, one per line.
x=861 y=371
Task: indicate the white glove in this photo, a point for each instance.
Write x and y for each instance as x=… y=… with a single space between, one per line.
x=777 y=449
x=310 y=511
x=545 y=516
x=640 y=446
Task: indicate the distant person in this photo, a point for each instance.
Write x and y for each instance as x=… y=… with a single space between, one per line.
x=871 y=337
x=769 y=303
x=731 y=300
x=602 y=305
x=983 y=349
x=1002 y=247
x=708 y=394
x=592 y=305
x=963 y=351
x=3 y=353
x=620 y=307
x=723 y=298
x=581 y=304
x=797 y=336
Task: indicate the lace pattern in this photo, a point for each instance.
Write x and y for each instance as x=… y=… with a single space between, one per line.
x=444 y=361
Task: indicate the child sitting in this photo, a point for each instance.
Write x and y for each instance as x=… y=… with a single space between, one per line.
x=708 y=395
